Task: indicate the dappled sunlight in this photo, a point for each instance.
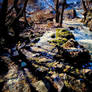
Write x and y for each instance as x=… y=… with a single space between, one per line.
x=45 y=46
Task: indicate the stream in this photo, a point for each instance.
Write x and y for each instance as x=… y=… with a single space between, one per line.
x=38 y=66
x=81 y=33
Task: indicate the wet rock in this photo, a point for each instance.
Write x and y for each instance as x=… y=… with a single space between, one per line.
x=36 y=40
x=74 y=85
x=41 y=72
x=64 y=33
x=62 y=36
x=74 y=53
x=89 y=83
x=25 y=36
x=40 y=86
x=14 y=80
x=71 y=28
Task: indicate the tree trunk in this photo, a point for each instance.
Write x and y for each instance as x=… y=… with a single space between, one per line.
x=84 y=5
x=16 y=6
x=25 y=4
x=74 y=13
x=88 y=4
x=62 y=12
x=57 y=11
x=3 y=14
x=85 y=9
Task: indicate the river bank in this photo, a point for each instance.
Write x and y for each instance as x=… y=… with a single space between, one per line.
x=48 y=58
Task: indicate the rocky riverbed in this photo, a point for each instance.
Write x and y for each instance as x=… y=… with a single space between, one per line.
x=46 y=59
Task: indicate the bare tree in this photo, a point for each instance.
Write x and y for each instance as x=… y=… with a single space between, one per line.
x=62 y=12
x=3 y=14
x=89 y=4
x=85 y=9
x=6 y=21
x=57 y=11
x=84 y=5
x=21 y=11
x=24 y=10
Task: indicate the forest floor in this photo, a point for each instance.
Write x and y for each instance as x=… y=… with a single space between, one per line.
x=47 y=58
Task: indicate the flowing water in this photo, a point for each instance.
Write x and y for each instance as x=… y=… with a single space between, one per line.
x=81 y=33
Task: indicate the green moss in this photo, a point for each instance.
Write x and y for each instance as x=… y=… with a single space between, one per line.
x=62 y=36
x=59 y=41
x=63 y=33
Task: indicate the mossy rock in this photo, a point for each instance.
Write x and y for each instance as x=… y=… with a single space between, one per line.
x=63 y=33
x=59 y=41
x=71 y=43
x=62 y=36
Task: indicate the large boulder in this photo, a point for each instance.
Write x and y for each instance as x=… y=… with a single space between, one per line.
x=62 y=35
x=74 y=53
